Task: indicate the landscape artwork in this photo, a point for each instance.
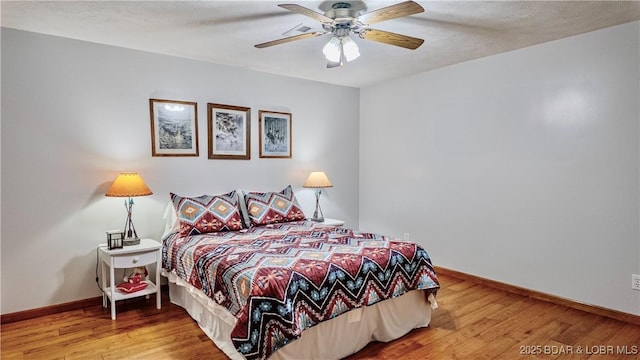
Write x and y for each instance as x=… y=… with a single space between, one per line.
x=229 y=132
x=275 y=135
x=174 y=128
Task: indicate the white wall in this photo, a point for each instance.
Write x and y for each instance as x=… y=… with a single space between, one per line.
x=521 y=167
x=75 y=114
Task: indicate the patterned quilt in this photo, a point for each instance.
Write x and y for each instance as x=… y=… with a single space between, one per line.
x=280 y=279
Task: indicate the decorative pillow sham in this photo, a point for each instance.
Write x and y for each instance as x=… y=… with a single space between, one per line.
x=273 y=207
x=127 y=287
x=207 y=213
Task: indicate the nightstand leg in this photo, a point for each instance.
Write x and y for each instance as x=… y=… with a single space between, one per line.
x=112 y=277
x=158 y=293
x=104 y=284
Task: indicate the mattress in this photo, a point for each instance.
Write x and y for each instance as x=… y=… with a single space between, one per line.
x=333 y=339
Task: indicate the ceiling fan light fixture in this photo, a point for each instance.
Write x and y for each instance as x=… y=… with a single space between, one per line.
x=332 y=50
x=350 y=49
x=344 y=19
x=339 y=46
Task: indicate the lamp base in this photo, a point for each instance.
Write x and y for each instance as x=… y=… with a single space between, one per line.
x=131 y=241
x=318 y=216
x=129 y=229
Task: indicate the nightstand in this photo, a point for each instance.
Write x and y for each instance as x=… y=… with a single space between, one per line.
x=147 y=252
x=332 y=222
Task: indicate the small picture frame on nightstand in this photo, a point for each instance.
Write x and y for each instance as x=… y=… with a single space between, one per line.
x=115 y=239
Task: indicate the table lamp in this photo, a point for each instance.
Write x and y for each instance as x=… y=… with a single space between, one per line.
x=129 y=184
x=317 y=180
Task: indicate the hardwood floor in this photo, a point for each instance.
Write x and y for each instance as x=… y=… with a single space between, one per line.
x=473 y=322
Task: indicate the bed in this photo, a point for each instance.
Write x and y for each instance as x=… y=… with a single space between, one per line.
x=263 y=282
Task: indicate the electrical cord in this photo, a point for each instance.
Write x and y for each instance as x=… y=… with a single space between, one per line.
x=97 y=277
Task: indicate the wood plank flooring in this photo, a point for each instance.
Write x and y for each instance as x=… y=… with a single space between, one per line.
x=473 y=322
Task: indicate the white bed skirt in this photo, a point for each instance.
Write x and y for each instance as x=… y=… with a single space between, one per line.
x=332 y=339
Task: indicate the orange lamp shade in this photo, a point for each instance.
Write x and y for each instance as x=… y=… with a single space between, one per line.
x=128 y=184
x=317 y=179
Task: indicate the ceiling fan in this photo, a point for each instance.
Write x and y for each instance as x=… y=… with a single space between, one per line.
x=342 y=20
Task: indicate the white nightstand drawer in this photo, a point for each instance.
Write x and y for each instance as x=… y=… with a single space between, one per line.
x=133 y=260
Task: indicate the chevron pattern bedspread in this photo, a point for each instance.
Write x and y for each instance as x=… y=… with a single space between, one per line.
x=280 y=279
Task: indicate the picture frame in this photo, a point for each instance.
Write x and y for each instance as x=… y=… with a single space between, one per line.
x=174 y=127
x=275 y=134
x=229 y=132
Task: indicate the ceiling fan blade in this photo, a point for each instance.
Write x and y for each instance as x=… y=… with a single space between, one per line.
x=307 y=12
x=391 y=12
x=289 y=39
x=390 y=38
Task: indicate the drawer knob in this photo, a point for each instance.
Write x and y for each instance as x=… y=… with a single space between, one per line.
x=135 y=259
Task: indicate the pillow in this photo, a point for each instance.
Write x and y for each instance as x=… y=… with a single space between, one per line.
x=171 y=222
x=127 y=287
x=271 y=207
x=207 y=213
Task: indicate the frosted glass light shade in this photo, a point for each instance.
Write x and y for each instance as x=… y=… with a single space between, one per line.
x=332 y=50
x=350 y=48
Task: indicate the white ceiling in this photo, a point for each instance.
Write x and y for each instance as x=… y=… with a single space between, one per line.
x=224 y=32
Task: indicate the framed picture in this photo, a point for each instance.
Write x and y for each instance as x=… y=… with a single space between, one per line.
x=275 y=134
x=229 y=132
x=174 y=128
